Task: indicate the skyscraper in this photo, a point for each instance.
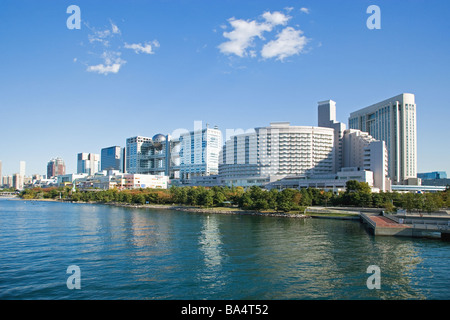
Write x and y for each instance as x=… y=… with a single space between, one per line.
x=56 y=167
x=22 y=165
x=17 y=181
x=88 y=163
x=199 y=152
x=393 y=121
x=327 y=119
x=111 y=158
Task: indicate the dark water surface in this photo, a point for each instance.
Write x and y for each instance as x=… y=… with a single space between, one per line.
x=128 y=253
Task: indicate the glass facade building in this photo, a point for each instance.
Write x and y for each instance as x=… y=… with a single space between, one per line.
x=111 y=158
x=199 y=153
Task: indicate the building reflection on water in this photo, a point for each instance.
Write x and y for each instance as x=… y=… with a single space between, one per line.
x=312 y=259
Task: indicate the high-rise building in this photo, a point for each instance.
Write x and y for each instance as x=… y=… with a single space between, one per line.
x=111 y=158
x=1 y=177
x=56 y=167
x=199 y=152
x=154 y=156
x=17 y=181
x=327 y=119
x=192 y=154
x=136 y=148
x=298 y=156
x=88 y=163
x=22 y=165
x=362 y=151
x=278 y=150
x=394 y=122
x=7 y=181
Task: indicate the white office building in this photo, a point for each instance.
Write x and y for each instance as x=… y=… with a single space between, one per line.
x=199 y=152
x=111 y=179
x=88 y=163
x=277 y=151
x=394 y=122
x=136 y=181
x=17 y=181
x=362 y=151
x=327 y=119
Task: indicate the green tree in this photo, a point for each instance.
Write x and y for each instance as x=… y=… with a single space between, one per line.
x=138 y=198
x=178 y=194
x=261 y=204
x=126 y=197
x=305 y=199
x=193 y=195
x=433 y=202
x=407 y=202
x=272 y=199
x=285 y=200
x=245 y=201
x=219 y=197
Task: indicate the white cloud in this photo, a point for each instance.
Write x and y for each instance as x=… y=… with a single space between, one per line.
x=242 y=36
x=305 y=10
x=289 y=9
x=245 y=31
x=112 y=46
x=100 y=36
x=289 y=42
x=114 y=28
x=276 y=18
x=105 y=69
x=146 y=48
x=112 y=63
x=103 y=36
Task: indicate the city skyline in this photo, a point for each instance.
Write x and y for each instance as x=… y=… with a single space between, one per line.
x=130 y=71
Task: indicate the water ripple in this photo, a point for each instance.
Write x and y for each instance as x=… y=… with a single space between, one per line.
x=151 y=254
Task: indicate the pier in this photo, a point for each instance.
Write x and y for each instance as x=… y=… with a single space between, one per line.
x=408 y=225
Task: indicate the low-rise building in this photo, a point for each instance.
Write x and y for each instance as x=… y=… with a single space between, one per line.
x=110 y=179
x=335 y=182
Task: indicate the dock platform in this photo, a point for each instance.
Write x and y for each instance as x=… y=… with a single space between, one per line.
x=407 y=226
x=383 y=226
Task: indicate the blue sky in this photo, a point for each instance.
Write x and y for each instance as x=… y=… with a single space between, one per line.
x=145 y=67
